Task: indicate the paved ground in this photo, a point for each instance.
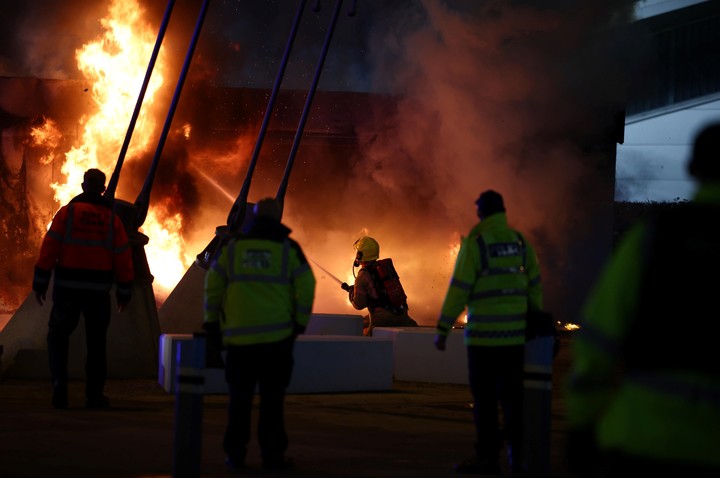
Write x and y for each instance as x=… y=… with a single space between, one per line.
x=415 y=430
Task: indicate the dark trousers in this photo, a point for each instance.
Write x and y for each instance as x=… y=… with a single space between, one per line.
x=496 y=378
x=67 y=307
x=267 y=367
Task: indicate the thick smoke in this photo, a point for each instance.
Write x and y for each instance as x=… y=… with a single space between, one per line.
x=512 y=96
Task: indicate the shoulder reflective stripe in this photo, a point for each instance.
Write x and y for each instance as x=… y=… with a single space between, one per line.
x=498 y=293
x=495 y=318
x=593 y=335
x=461 y=284
x=493 y=334
x=675 y=386
x=257 y=329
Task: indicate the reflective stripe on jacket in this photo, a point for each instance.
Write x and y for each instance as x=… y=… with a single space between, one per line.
x=88 y=248
x=645 y=373
x=496 y=276
x=260 y=290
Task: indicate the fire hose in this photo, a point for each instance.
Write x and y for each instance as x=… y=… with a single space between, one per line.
x=344 y=285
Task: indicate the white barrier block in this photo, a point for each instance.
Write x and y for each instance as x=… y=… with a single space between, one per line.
x=417 y=359
x=323 y=363
x=335 y=324
x=335 y=363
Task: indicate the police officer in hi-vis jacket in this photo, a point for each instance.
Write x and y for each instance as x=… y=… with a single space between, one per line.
x=497 y=277
x=259 y=294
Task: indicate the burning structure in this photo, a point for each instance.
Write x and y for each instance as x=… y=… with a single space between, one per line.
x=472 y=97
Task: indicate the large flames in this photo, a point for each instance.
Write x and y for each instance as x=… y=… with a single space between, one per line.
x=113 y=68
x=115 y=65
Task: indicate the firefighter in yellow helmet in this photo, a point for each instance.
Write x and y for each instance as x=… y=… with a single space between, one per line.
x=377 y=287
x=259 y=294
x=643 y=392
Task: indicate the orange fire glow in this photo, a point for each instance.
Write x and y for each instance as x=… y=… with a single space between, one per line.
x=47 y=136
x=115 y=64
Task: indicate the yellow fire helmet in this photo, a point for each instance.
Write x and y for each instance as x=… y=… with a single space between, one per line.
x=367 y=249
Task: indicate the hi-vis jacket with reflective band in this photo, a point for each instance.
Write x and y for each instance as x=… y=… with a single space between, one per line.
x=88 y=248
x=259 y=290
x=646 y=373
x=497 y=276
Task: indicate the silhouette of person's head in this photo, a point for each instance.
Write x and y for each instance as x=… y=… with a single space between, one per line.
x=705 y=162
x=489 y=203
x=94 y=181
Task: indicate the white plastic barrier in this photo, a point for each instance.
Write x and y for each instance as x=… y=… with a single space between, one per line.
x=335 y=324
x=537 y=414
x=417 y=359
x=323 y=363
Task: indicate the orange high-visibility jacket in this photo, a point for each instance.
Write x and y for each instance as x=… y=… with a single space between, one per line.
x=88 y=248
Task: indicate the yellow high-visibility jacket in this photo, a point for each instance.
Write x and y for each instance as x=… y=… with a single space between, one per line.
x=497 y=277
x=645 y=374
x=260 y=289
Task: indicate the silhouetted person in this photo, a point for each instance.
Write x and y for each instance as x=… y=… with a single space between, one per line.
x=87 y=248
x=259 y=293
x=643 y=392
x=497 y=277
x=377 y=287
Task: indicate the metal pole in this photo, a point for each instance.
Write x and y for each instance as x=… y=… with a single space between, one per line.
x=280 y=195
x=143 y=200
x=189 y=390
x=236 y=216
x=112 y=185
x=237 y=212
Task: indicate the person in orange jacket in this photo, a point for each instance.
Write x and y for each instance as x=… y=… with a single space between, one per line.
x=88 y=250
